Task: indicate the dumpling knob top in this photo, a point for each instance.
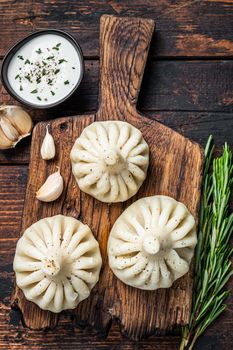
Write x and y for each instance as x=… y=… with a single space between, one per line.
x=57 y=263
x=152 y=243
x=110 y=160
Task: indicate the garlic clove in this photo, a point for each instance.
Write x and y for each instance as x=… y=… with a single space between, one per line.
x=7 y=128
x=21 y=119
x=48 y=146
x=15 y=124
x=5 y=143
x=52 y=188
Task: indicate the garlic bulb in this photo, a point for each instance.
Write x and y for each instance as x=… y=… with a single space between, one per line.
x=52 y=188
x=48 y=146
x=15 y=124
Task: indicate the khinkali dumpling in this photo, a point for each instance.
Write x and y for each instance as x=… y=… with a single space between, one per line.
x=152 y=243
x=110 y=160
x=57 y=263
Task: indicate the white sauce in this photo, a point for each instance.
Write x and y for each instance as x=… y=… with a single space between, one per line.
x=45 y=70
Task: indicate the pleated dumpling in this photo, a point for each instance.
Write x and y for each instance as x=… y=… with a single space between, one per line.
x=110 y=160
x=152 y=243
x=57 y=263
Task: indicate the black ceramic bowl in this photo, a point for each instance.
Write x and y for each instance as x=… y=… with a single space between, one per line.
x=17 y=46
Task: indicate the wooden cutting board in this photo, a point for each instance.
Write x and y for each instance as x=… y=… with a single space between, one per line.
x=175 y=170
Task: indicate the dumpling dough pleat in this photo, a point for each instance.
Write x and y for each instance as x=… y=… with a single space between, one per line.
x=57 y=263
x=76 y=237
x=165 y=274
x=125 y=248
x=21 y=265
x=138 y=160
x=88 y=277
x=178 y=215
x=83 y=248
x=85 y=144
x=152 y=243
x=136 y=171
x=165 y=214
x=126 y=236
x=86 y=262
x=69 y=292
x=102 y=135
x=176 y=263
x=39 y=288
x=37 y=241
x=122 y=187
x=44 y=227
x=114 y=188
x=83 y=169
x=81 y=287
x=139 y=229
x=49 y=295
x=139 y=149
x=84 y=156
x=58 y=298
x=123 y=262
x=136 y=269
x=129 y=180
x=131 y=143
x=186 y=227
x=188 y=241
x=33 y=277
x=113 y=134
x=117 y=162
x=103 y=185
x=144 y=276
x=94 y=141
x=91 y=179
x=29 y=250
x=124 y=136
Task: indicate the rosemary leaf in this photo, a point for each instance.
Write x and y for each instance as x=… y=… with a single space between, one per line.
x=212 y=265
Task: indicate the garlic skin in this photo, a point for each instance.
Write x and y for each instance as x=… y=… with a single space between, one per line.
x=15 y=124
x=51 y=189
x=47 y=150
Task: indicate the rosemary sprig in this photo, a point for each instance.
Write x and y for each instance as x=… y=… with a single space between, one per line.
x=213 y=266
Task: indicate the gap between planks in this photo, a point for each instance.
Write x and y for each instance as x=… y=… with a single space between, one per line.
x=167 y=58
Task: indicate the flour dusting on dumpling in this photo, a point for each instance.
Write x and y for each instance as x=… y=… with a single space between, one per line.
x=152 y=243
x=57 y=263
x=110 y=160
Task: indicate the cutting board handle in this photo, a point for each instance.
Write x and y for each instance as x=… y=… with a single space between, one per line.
x=124 y=46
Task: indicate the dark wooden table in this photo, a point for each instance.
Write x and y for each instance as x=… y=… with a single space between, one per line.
x=188 y=85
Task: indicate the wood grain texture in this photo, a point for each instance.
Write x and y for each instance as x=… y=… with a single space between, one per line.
x=194 y=125
x=193 y=97
x=203 y=29
x=185 y=28
x=14 y=336
x=12 y=191
x=175 y=167
x=188 y=86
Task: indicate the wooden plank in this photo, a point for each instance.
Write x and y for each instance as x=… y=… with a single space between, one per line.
x=193 y=97
x=12 y=191
x=184 y=28
x=188 y=86
x=199 y=125
x=174 y=85
x=111 y=298
x=13 y=336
